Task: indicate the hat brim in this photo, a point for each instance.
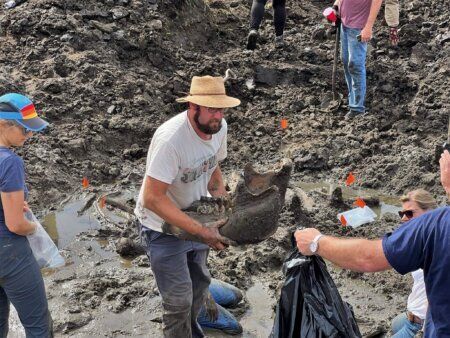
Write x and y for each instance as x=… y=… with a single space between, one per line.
x=34 y=124
x=212 y=101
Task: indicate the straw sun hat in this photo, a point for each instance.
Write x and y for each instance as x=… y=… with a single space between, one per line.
x=209 y=91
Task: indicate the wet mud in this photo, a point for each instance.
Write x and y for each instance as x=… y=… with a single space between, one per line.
x=106 y=74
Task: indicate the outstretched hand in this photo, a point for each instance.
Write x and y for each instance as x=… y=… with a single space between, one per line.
x=304 y=238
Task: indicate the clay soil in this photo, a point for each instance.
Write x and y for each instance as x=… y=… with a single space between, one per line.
x=106 y=74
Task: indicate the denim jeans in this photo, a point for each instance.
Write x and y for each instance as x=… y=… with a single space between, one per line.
x=353 y=55
x=182 y=277
x=403 y=328
x=223 y=294
x=21 y=284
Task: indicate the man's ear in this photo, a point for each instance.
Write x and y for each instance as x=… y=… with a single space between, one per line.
x=192 y=106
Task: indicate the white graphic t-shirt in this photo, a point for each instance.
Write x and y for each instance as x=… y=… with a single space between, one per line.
x=179 y=157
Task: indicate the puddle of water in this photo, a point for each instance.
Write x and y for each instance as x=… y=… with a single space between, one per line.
x=64 y=225
x=258 y=320
x=388 y=204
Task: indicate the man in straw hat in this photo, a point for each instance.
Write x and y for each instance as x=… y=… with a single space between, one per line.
x=182 y=166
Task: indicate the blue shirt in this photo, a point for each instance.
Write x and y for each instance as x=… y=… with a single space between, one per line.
x=12 y=178
x=424 y=242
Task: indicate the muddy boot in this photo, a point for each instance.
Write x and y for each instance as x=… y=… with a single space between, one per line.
x=279 y=42
x=252 y=38
x=255 y=207
x=393 y=36
x=353 y=113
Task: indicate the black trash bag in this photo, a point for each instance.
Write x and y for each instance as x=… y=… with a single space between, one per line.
x=310 y=305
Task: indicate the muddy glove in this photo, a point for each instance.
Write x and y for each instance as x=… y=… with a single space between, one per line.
x=210 y=235
x=212 y=311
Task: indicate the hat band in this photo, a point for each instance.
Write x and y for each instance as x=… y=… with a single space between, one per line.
x=11 y=116
x=224 y=94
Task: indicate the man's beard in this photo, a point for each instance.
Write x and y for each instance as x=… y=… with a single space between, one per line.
x=205 y=128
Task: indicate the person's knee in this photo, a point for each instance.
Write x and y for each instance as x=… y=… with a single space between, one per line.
x=356 y=67
x=179 y=306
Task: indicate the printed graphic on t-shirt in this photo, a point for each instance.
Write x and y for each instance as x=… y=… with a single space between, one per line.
x=192 y=174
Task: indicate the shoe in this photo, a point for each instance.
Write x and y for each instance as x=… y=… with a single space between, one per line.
x=354 y=113
x=279 y=41
x=252 y=39
x=393 y=36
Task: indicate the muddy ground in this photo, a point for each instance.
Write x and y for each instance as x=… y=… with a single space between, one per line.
x=106 y=75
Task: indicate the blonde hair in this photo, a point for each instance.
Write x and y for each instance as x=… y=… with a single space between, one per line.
x=422 y=197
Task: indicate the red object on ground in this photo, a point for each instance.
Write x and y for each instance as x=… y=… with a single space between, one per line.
x=284 y=123
x=360 y=202
x=85 y=182
x=103 y=202
x=343 y=221
x=350 y=179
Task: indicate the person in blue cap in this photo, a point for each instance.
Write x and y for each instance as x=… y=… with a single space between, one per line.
x=21 y=281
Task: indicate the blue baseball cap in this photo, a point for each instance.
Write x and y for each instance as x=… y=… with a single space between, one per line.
x=21 y=109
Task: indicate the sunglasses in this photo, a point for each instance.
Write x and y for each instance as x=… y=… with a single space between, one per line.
x=24 y=130
x=408 y=213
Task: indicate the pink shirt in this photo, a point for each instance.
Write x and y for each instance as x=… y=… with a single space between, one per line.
x=354 y=13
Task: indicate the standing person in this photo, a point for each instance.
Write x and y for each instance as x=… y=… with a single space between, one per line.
x=407 y=324
x=358 y=18
x=21 y=281
x=256 y=16
x=182 y=166
x=422 y=242
x=392 y=17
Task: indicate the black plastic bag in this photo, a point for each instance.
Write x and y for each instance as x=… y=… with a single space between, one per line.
x=310 y=305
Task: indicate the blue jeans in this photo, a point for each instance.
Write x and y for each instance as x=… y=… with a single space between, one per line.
x=353 y=55
x=403 y=328
x=223 y=294
x=21 y=284
x=182 y=277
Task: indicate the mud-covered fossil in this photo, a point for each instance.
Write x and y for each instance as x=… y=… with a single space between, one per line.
x=252 y=212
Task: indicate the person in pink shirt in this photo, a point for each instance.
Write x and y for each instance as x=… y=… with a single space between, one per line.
x=357 y=20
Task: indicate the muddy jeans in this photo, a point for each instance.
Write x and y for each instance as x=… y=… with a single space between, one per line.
x=392 y=13
x=21 y=284
x=183 y=279
x=353 y=55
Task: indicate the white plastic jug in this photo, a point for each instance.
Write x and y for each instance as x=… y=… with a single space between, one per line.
x=358 y=216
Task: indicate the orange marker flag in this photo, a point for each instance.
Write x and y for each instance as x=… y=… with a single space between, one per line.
x=350 y=179
x=343 y=221
x=85 y=182
x=102 y=202
x=284 y=123
x=360 y=202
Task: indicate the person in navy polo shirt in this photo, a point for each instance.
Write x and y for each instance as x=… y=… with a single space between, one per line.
x=422 y=243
